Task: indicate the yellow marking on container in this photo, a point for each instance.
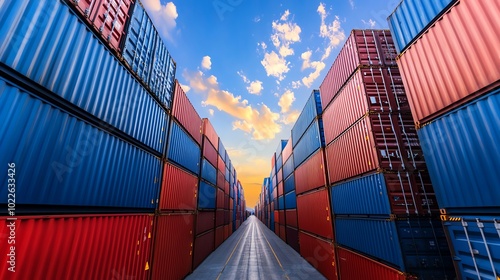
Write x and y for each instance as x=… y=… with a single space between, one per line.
x=138 y=252
x=138 y=243
x=149 y=235
x=147 y=266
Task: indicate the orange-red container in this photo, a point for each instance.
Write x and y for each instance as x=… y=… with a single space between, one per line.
x=185 y=113
x=320 y=254
x=178 y=190
x=314 y=213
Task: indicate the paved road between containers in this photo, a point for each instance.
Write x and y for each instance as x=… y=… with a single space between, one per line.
x=254 y=252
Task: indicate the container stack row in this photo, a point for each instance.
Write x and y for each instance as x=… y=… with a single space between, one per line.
x=104 y=149
x=450 y=67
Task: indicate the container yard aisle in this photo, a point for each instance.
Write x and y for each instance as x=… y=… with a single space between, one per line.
x=254 y=252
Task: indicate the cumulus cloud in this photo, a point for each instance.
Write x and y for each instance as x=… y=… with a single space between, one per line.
x=163 y=16
x=254 y=87
x=369 y=23
x=211 y=112
x=275 y=65
x=196 y=81
x=286 y=101
x=291 y=117
x=306 y=59
x=333 y=32
x=318 y=66
x=296 y=84
x=206 y=63
x=185 y=88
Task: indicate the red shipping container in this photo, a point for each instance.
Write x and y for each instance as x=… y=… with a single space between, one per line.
x=283 y=233
x=276 y=216
x=465 y=63
x=292 y=238
x=221 y=165
x=89 y=247
x=220 y=180
x=279 y=175
x=314 y=214
x=310 y=174
x=287 y=151
x=353 y=266
x=362 y=48
x=226 y=202
x=205 y=221
x=209 y=132
x=203 y=246
x=231 y=204
x=226 y=187
x=280 y=189
x=219 y=218
x=178 y=189
x=291 y=218
x=209 y=152
x=184 y=112
x=231 y=216
x=274 y=194
x=273 y=161
x=320 y=254
x=109 y=18
x=368 y=90
x=281 y=214
x=377 y=141
x=226 y=217
x=277 y=229
x=219 y=236
x=226 y=232
x=230 y=230
x=220 y=199
x=173 y=237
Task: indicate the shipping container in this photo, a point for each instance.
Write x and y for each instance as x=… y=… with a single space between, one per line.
x=385 y=194
x=459 y=149
x=219 y=218
x=219 y=236
x=312 y=140
x=279 y=163
x=314 y=214
x=288 y=168
x=377 y=141
x=412 y=18
x=183 y=150
x=280 y=189
x=440 y=79
x=205 y=221
x=209 y=152
x=289 y=184
x=287 y=151
x=279 y=177
x=290 y=200
x=87 y=247
x=282 y=233
x=362 y=48
x=204 y=245
x=179 y=189
x=475 y=243
x=311 y=174
x=206 y=196
x=72 y=162
x=222 y=151
x=226 y=186
x=220 y=199
x=368 y=90
x=273 y=162
x=309 y=113
x=221 y=166
x=291 y=218
x=47 y=43
x=281 y=202
x=353 y=266
x=208 y=172
x=210 y=133
x=185 y=113
x=173 y=246
x=281 y=145
x=416 y=246
x=319 y=253
x=227 y=175
x=292 y=238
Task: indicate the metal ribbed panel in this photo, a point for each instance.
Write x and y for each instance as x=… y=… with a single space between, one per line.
x=203 y=246
x=310 y=111
x=288 y=167
x=314 y=213
x=163 y=74
x=178 y=190
x=319 y=253
x=289 y=184
x=308 y=144
x=286 y=153
x=207 y=195
x=209 y=152
x=72 y=162
x=208 y=172
x=184 y=112
x=290 y=200
x=311 y=174
x=209 y=132
x=46 y=42
x=183 y=150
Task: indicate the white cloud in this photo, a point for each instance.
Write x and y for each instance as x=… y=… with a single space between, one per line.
x=211 y=112
x=286 y=101
x=185 y=88
x=206 y=62
x=318 y=66
x=296 y=84
x=256 y=19
x=285 y=51
x=369 y=23
x=290 y=117
x=351 y=2
x=163 y=16
x=255 y=87
x=332 y=32
x=285 y=15
x=263 y=45
x=245 y=79
x=275 y=65
x=196 y=81
x=306 y=59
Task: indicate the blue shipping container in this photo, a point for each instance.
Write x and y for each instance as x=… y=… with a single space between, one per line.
x=162 y=80
x=222 y=150
x=279 y=164
x=227 y=175
x=63 y=161
x=183 y=150
x=312 y=140
x=206 y=196
x=281 y=203
x=414 y=246
x=290 y=200
x=208 y=172
x=476 y=245
x=311 y=110
x=413 y=17
x=281 y=146
x=461 y=151
x=47 y=43
x=289 y=184
x=288 y=167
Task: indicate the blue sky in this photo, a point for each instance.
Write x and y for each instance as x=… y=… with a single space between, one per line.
x=249 y=66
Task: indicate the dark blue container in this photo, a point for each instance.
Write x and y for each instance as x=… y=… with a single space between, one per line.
x=63 y=161
x=311 y=110
x=311 y=141
x=222 y=150
x=290 y=200
x=183 y=150
x=289 y=184
x=206 y=196
x=288 y=167
x=280 y=148
x=281 y=203
x=227 y=175
x=208 y=172
x=279 y=164
x=47 y=43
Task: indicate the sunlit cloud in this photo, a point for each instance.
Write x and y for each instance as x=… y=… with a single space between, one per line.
x=333 y=32
x=185 y=88
x=318 y=66
x=286 y=101
x=369 y=23
x=290 y=117
x=206 y=62
x=163 y=16
x=253 y=87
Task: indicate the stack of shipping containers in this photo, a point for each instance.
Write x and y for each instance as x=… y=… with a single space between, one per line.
x=451 y=70
x=87 y=103
x=291 y=221
x=277 y=192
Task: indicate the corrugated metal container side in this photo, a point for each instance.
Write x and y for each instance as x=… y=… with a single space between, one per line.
x=283 y=233
x=279 y=163
x=362 y=48
x=163 y=76
x=320 y=254
x=273 y=162
x=220 y=180
x=383 y=194
x=368 y=90
x=280 y=188
x=210 y=133
x=222 y=151
x=353 y=266
x=289 y=184
x=219 y=218
x=281 y=145
x=279 y=176
x=107 y=17
x=308 y=144
x=208 y=172
x=314 y=214
x=203 y=246
x=287 y=151
x=221 y=166
x=173 y=237
x=311 y=110
x=179 y=189
x=47 y=43
x=291 y=218
x=183 y=150
x=288 y=168
x=226 y=187
x=439 y=79
x=61 y=160
x=415 y=246
x=475 y=242
x=227 y=175
x=277 y=229
x=206 y=196
x=292 y=238
x=220 y=199
x=311 y=174
x=209 y=152
x=205 y=221
x=219 y=236
x=91 y=247
x=226 y=232
x=459 y=149
x=290 y=200
x=281 y=202
x=412 y=18
x=184 y=112
x=386 y=141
